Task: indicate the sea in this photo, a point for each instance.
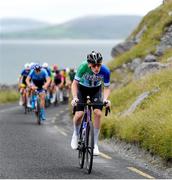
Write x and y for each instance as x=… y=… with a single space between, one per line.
x=65 y=53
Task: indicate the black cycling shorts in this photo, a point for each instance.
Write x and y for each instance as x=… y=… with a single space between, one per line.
x=94 y=93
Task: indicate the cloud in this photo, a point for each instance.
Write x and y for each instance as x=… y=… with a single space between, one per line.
x=61 y=10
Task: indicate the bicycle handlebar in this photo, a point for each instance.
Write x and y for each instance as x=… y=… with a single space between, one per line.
x=92 y=104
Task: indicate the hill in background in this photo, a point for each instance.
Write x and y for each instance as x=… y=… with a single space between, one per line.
x=11 y=25
x=93 y=27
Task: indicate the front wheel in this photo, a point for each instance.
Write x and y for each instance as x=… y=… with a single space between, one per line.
x=89 y=146
x=38 y=111
x=81 y=146
x=25 y=104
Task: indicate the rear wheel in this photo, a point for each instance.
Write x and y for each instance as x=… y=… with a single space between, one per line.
x=47 y=102
x=89 y=146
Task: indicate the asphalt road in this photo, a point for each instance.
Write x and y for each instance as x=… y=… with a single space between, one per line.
x=28 y=150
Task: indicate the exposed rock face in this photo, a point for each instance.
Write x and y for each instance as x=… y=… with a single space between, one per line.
x=146 y=68
x=122 y=47
x=135 y=63
x=125 y=46
x=139 y=34
x=166 y=42
x=139 y=100
x=150 y=58
x=136 y=103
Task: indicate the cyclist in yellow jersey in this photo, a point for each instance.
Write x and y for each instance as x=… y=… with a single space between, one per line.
x=22 y=84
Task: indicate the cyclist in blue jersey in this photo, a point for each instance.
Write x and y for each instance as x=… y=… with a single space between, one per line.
x=88 y=81
x=47 y=68
x=39 y=80
x=22 y=84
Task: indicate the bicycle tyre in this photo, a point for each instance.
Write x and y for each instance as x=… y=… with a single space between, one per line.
x=38 y=112
x=89 y=146
x=25 y=104
x=81 y=147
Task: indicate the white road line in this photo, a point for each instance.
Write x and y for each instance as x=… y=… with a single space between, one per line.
x=140 y=172
x=61 y=131
x=62 y=111
x=10 y=109
x=53 y=121
x=105 y=156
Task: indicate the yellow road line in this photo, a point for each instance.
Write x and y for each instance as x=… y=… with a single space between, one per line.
x=105 y=156
x=140 y=172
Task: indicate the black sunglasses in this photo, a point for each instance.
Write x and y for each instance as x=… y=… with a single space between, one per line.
x=38 y=70
x=94 y=65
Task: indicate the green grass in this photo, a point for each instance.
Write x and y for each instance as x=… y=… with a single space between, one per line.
x=150 y=125
x=8 y=96
x=166 y=55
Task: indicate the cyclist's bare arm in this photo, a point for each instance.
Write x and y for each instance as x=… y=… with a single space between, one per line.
x=74 y=88
x=20 y=79
x=106 y=92
x=28 y=81
x=48 y=80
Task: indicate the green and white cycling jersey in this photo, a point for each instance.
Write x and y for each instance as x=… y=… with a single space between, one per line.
x=87 y=78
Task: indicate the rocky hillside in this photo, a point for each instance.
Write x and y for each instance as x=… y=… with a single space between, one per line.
x=142 y=84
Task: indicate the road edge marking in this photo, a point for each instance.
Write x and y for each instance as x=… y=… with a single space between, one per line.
x=105 y=155
x=140 y=173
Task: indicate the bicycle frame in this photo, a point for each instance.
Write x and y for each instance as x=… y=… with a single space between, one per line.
x=37 y=105
x=86 y=137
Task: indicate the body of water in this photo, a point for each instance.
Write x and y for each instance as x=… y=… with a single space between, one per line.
x=65 y=53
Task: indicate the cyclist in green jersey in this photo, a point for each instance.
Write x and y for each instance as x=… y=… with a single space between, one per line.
x=89 y=78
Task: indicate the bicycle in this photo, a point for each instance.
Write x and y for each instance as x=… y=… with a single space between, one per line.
x=26 y=109
x=86 y=135
x=24 y=98
x=36 y=106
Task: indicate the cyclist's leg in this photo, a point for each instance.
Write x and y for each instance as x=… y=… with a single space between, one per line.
x=21 y=96
x=76 y=127
x=79 y=110
x=53 y=93
x=28 y=96
x=97 y=123
x=61 y=89
x=97 y=117
x=77 y=120
x=42 y=104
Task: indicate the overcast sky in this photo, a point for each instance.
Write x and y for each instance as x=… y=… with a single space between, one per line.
x=57 y=11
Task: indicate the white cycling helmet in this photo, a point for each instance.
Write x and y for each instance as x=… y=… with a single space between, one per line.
x=27 y=66
x=45 y=65
x=32 y=65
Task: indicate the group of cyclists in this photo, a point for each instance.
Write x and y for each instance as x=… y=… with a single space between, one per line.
x=50 y=83
x=92 y=78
